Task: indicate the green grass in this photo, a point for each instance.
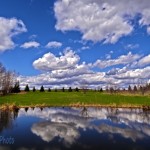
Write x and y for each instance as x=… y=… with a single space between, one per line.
x=70 y=98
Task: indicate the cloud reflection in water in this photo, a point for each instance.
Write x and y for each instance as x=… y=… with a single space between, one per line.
x=65 y=123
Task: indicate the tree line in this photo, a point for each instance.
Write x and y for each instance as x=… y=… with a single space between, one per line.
x=131 y=89
x=9 y=84
x=42 y=89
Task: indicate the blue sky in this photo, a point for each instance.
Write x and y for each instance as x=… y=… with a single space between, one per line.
x=76 y=43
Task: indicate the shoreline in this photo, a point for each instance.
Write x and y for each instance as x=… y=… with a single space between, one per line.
x=15 y=107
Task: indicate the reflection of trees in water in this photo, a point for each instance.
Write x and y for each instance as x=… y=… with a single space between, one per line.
x=84 y=112
x=15 y=113
x=26 y=109
x=6 y=119
x=112 y=115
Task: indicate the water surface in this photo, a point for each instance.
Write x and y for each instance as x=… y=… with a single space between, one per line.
x=75 y=128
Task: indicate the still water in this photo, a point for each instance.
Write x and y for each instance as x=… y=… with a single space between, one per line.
x=75 y=128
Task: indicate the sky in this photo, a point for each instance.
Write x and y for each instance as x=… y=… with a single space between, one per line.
x=63 y=43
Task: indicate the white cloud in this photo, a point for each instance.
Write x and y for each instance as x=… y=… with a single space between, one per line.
x=123 y=59
x=76 y=71
x=143 y=73
x=48 y=131
x=33 y=37
x=85 y=47
x=144 y=61
x=66 y=71
x=73 y=78
x=106 y=21
x=148 y=30
x=131 y=46
x=50 y=62
x=9 y=28
x=31 y=44
x=53 y=44
x=108 y=56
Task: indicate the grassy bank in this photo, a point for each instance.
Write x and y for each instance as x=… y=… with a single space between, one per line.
x=74 y=99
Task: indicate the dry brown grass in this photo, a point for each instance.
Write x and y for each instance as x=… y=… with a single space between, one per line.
x=9 y=107
x=113 y=105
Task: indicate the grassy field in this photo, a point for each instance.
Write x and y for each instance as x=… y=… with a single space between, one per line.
x=74 y=99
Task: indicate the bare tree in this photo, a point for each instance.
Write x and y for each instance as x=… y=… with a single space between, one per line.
x=142 y=89
x=84 y=86
x=7 y=83
x=111 y=90
x=6 y=80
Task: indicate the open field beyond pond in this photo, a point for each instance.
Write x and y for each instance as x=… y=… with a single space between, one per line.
x=74 y=99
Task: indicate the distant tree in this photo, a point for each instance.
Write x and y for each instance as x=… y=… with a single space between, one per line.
x=42 y=89
x=49 y=90
x=135 y=88
x=34 y=89
x=111 y=90
x=101 y=90
x=27 y=88
x=129 y=89
x=16 y=88
x=70 y=89
x=118 y=89
x=63 y=89
x=84 y=88
x=142 y=89
x=56 y=90
x=148 y=86
x=76 y=89
x=107 y=89
x=123 y=89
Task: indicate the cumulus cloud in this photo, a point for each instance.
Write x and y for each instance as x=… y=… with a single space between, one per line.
x=50 y=62
x=66 y=79
x=76 y=71
x=121 y=60
x=143 y=73
x=9 y=28
x=105 y=21
x=67 y=70
x=31 y=44
x=53 y=44
x=64 y=70
x=144 y=61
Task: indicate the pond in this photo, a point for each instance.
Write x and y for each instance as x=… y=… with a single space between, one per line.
x=62 y=128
